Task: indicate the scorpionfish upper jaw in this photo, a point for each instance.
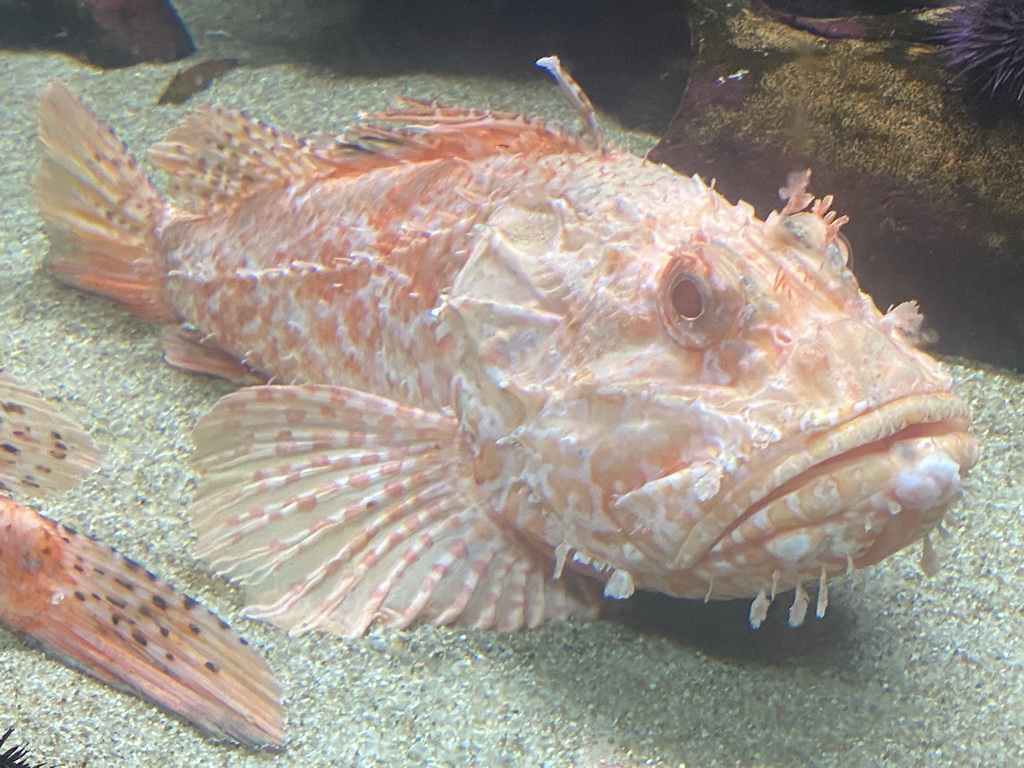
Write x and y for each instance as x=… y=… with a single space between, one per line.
x=852 y=496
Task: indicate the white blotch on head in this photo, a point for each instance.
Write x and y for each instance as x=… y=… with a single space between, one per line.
x=790 y=548
x=929 y=483
x=632 y=555
x=708 y=482
x=213 y=304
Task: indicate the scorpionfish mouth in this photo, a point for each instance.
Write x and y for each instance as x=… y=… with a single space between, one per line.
x=853 y=496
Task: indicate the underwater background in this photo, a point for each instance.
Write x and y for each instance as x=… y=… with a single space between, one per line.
x=903 y=670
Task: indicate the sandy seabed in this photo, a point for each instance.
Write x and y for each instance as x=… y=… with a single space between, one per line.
x=903 y=671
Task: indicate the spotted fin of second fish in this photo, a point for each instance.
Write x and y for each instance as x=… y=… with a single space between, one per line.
x=336 y=508
x=102 y=613
x=41 y=451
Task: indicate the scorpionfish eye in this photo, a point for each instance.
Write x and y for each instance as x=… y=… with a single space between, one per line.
x=701 y=296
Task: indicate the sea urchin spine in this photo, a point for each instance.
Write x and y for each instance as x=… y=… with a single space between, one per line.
x=15 y=756
x=984 y=45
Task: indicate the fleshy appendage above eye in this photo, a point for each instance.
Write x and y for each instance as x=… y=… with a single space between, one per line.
x=841 y=250
x=701 y=295
x=810 y=231
x=804 y=229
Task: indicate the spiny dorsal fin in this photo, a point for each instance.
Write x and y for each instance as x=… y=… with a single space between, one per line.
x=335 y=509
x=434 y=131
x=41 y=451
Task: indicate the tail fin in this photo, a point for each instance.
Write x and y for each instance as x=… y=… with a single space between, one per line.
x=100 y=210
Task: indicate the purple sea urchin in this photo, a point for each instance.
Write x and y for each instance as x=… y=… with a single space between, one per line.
x=984 y=44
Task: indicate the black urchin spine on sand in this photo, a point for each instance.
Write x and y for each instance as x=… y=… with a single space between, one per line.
x=15 y=756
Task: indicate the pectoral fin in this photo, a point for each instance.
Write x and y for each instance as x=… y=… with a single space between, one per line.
x=336 y=509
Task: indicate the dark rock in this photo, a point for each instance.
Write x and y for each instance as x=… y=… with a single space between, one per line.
x=934 y=195
x=107 y=33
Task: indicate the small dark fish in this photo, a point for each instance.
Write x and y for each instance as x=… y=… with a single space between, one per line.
x=194 y=80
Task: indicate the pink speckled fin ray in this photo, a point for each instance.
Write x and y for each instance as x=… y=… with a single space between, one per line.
x=187 y=350
x=41 y=451
x=100 y=612
x=336 y=509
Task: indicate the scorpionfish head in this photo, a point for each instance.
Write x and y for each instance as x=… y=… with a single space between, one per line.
x=692 y=400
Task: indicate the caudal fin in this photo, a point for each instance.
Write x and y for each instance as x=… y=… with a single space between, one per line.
x=100 y=210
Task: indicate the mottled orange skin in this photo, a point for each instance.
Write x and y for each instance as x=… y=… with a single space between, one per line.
x=628 y=375
x=574 y=334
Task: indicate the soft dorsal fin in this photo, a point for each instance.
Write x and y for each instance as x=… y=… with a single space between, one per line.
x=218 y=156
